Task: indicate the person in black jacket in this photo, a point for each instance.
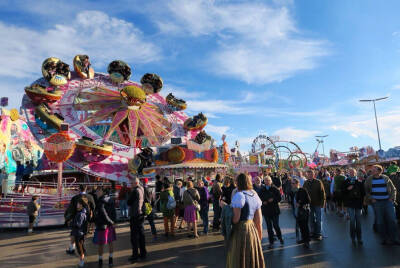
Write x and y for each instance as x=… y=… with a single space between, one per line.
x=353 y=195
x=149 y=198
x=302 y=202
x=227 y=188
x=270 y=197
x=136 y=202
x=105 y=218
x=71 y=211
x=79 y=230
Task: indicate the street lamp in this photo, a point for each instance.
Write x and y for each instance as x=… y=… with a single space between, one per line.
x=376 y=119
x=321 y=140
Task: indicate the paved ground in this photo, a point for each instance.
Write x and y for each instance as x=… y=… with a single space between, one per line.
x=47 y=249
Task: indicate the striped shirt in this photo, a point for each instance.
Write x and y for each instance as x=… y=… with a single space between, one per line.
x=379 y=189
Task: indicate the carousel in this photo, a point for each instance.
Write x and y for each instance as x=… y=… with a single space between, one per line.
x=113 y=128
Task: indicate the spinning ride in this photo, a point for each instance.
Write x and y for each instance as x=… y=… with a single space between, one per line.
x=109 y=117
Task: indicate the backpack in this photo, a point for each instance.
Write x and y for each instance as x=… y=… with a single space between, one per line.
x=171 y=203
x=89 y=212
x=147 y=208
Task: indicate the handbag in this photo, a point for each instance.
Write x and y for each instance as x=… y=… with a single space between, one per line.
x=195 y=203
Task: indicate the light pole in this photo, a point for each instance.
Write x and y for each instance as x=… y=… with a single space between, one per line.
x=376 y=119
x=320 y=139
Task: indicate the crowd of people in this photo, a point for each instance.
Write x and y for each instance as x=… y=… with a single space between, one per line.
x=239 y=204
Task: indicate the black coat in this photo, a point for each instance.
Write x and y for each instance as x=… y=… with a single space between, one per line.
x=227 y=193
x=277 y=181
x=302 y=197
x=105 y=213
x=353 y=198
x=271 y=208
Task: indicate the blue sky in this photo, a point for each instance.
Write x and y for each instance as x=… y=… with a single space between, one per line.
x=290 y=68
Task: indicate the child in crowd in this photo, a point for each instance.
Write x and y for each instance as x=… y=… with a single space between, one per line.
x=79 y=230
x=32 y=211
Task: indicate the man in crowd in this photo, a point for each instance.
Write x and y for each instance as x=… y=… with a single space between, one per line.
x=393 y=168
x=315 y=189
x=123 y=199
x=337 y=191
x=216 y=192
x=353 y=196
x=149 y=198
x=381 y=193
x=395 y=178
x=270 y=198
x=136 y=201
x=301 y=210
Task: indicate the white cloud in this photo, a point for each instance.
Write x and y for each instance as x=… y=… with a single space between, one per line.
x=220 y=130
x=180 y=93
x=362 y=126
x=396 y=87
x=259 y=48
x=92 y=32
x=293 y=134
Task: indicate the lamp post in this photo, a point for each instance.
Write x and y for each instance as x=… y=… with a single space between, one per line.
x=376 y=119
x=320 y=139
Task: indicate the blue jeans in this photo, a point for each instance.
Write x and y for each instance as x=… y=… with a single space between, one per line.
x=150 y=219
x=123 y=206
x=386 y=220
x=204 y=217
x=355 y=223
x=315 y=220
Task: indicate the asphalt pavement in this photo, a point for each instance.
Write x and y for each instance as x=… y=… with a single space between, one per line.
x=46 y=248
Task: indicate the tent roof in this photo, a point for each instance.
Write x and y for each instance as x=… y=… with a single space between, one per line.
x=193 y=165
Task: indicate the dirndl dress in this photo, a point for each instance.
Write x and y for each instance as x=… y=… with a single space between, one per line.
x=104 y=237
x=244 y=246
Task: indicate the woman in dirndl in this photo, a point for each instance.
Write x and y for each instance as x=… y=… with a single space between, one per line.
x=105 y=218
x=244 y=247
x=191 y=198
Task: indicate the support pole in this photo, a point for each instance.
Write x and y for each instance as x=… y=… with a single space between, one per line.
x=59 y=182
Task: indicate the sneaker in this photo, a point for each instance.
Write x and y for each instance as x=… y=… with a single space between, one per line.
x=354 y=242
x=70 y=251
x=307 y=245
x=100 y=262
x=360 y=242
x=110 y=261
x=318 y=237
x=281 y=240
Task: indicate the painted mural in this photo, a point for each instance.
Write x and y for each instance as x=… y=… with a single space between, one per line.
x=16 y=142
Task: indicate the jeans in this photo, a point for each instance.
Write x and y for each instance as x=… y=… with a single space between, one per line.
x=123 y=207
x=386 y=220
x=355 y=223
x=315 y=220
x=150 y=219
x=204 y=217
x=137 y=236
x=273 y=222
x=217 y=214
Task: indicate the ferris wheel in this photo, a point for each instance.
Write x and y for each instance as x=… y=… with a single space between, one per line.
x=262 y=143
